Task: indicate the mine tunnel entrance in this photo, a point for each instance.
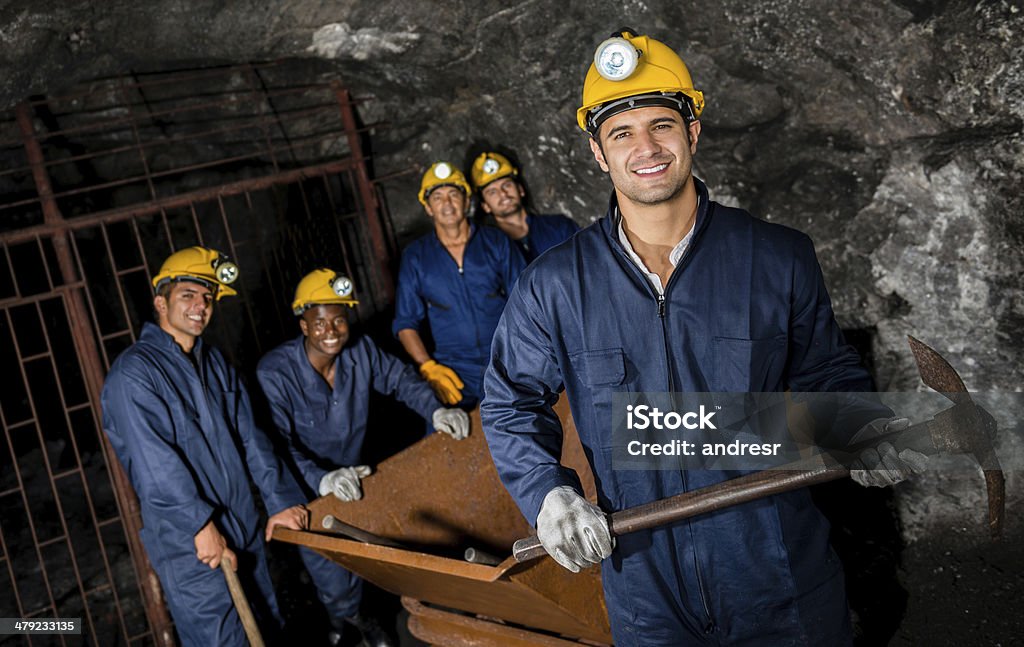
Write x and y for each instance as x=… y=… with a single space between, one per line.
x=266 y=163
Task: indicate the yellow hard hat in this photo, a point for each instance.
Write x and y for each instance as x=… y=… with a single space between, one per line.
x=489 y=167
x=442 y=174
x=635 y=72
x=202 y=265
x=323 y=287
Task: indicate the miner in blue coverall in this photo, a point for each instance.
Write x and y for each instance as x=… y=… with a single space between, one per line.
x=180 y=421
x=456 y=279
x=318 y=387
x=502 y=194
x=671 y=292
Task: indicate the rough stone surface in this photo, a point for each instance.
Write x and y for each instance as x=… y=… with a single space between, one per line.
x=891 y=132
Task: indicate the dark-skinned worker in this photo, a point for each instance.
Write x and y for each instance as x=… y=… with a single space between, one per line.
x=318 y=387
x=456 y=279
x=179 y=418
x=671 y=292
x=502 y=196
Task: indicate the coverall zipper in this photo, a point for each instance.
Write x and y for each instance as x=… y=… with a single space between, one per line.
x=660 y=298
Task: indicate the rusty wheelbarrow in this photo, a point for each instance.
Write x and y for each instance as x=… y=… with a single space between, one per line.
x=422 y=509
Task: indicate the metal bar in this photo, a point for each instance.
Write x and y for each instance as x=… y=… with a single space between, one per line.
x=84 y=342
x=195 y=223
x=142 y=155
x=20 y=424
x=241 y=288
x=72 y=471
x=276 y=299
x=390 y=176
x=363 y=244
x=337 y=226
x=17 y=471
x=389 y=230
x=52 y=541
x=46 y=264
x=173 y=78
x=49 y=468
x=232 y=98
x=308 y=140
x=177 y=139
x=16 y=301
x=93 y=317
x=142 y=252
x=175 y=201
x=255 y=79
x=369 y=199
x=10 y=268
x=3 y=542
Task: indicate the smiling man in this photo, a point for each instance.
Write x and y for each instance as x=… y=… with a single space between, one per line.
x=671 y=292
x=179 y=418
x=454 y=280
x=502 y=196
x=318 y=387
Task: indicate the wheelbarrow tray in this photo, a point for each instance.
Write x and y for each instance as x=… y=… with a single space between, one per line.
x=439 y=497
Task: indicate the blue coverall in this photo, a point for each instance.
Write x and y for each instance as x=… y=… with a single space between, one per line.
x=177 y=429
x=544 y=233
x=745 y=310
x=461 y=304
x=326 y=427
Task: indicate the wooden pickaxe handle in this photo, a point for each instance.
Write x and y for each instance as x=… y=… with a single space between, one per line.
x=714 y=497
x=252 y=630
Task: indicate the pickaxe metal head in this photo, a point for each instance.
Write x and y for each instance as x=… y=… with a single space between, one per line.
x=964 y=428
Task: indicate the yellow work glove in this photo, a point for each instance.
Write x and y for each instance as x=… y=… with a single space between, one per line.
x=443 y=380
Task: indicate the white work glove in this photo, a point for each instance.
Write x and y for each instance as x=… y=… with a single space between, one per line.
x=344 y=482
x=882 y=466
x=454 y=422
x=573 y=530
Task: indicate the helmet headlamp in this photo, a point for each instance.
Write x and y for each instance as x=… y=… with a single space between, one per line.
x=225 y=271
x=341 y=285
x=616 y=59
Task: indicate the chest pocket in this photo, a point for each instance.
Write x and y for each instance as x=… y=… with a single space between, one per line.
x=600 y=367
x=311 y=418
x=742 y=365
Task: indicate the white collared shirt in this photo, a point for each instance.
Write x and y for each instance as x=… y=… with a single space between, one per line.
x=673 y=257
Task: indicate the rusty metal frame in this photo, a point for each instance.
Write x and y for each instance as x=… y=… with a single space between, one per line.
x=70 y=284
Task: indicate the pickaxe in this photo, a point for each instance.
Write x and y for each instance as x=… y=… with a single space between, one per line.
x=964 y=428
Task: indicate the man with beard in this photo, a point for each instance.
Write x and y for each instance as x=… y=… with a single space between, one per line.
x=456 y=279
x=318 y=387
x=179 y=418
x=671 y=292
x=502 y=195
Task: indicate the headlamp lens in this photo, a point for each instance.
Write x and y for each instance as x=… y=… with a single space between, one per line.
x=227 y=272
x=615 y=59
x=491 y=166
x=442 y=171
x=341 y=285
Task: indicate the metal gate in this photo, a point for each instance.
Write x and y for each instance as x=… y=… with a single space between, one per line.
x=94 y=197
